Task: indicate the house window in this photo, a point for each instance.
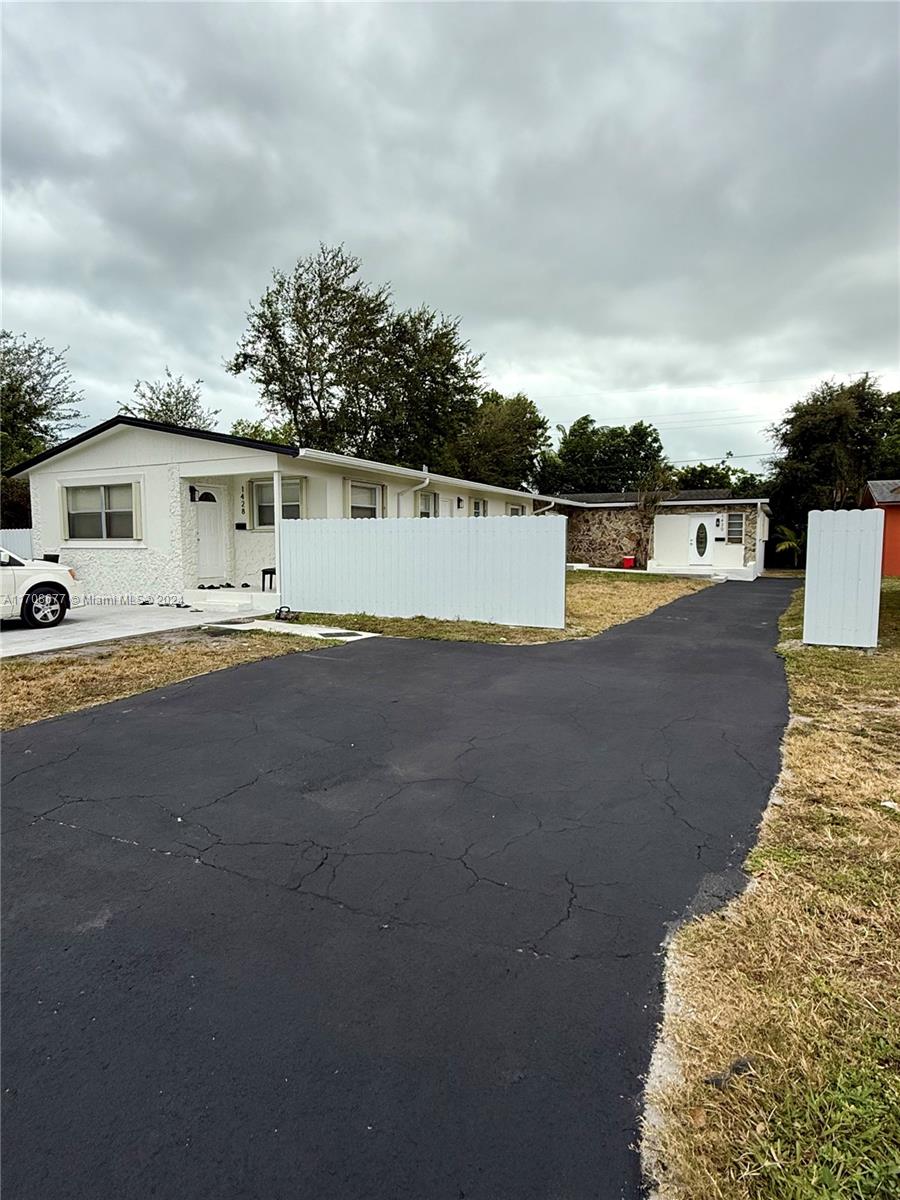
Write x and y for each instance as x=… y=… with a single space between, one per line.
x=428 y=504
x=102 y=511
x=264 y=502
x=735 y=527
x=515 y=510
x=365 y=500
x=479 y=508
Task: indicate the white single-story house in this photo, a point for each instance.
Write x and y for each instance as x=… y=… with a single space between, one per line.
x=695 y=532
x=141 y=508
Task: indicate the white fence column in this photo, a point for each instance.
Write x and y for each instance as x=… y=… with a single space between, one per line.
x=843 y=577
x=503 y=570
x=276 y=498
x=16 y=541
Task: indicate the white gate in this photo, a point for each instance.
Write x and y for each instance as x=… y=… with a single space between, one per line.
x=16 y=541
x=843 y=577
x=504 y=570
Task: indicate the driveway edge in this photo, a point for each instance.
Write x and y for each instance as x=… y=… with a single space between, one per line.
x=665 y=1070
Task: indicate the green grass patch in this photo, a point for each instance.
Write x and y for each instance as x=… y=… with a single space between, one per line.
x=764 y=857
x=835 y=1134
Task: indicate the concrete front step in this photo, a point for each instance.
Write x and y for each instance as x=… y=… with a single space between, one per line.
x=233 y=599
x=325 y=632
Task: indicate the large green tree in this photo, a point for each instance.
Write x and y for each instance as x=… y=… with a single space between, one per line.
x=504 y=441
x=333 y=358
x=428 y=390
x=171 y=400
x=38 y=398
x=38 y=405
x=264 y=431
x=600 y=458
x=704 y=475
x=830 y=443
x=313 y=346
x=742 y=484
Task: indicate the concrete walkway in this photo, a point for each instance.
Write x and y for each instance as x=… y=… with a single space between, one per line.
x=380 y=922
x=106 y=623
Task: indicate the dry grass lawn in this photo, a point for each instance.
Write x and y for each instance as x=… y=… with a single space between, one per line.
x=595 y=601
x=47 y=685
x=798 y=981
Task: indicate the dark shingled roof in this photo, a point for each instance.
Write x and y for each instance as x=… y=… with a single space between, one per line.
x=632 y=497
x=206 y=435
x=885 y=491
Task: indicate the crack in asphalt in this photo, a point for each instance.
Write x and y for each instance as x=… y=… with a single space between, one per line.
x=56 y=762
x=334 y=857
x=567 y=915
x=743 y=757
x=370 y=913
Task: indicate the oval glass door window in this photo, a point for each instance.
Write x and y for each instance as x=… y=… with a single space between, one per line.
x=702 y=540
x=207 y=498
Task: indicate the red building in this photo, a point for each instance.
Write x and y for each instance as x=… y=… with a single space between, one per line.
x=885 y=494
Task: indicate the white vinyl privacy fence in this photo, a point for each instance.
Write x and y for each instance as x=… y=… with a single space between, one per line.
x=843 y=577
x=16 y=541
x=505 y=570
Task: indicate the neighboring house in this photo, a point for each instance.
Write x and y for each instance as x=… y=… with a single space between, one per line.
x=141 y=507
x=885 y=494
x=700 y=532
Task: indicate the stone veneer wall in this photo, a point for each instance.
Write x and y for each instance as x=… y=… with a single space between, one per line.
x=601 y=537
x=750 y=521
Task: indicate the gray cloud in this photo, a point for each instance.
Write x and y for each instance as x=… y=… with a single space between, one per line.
x=675 y=199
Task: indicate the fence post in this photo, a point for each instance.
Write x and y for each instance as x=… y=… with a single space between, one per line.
x=843 y=577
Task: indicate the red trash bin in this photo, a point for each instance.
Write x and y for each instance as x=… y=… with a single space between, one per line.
x=628 y=562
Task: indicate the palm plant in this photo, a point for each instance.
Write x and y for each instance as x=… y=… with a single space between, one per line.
x=791 y=542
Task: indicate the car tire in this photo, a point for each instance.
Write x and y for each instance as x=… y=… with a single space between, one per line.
x=44 y=606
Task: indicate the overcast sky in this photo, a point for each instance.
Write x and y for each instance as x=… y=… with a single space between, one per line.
x=687 y=213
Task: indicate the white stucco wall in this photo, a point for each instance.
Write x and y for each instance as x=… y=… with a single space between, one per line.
x=254 y=550
x=161 y=560
x=671 y=535
x=150 y=565
x=671 y=543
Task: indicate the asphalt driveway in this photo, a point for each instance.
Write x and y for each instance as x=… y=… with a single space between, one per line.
x=376 y=922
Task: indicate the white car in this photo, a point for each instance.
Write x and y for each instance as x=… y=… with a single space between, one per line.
x=39 y=592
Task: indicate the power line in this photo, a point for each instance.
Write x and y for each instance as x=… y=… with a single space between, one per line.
x=684 y=387
x=677 y=462
x=715 y=417
x=692 y=412
x=712 y=423
x=719 y=420
x=710 y=413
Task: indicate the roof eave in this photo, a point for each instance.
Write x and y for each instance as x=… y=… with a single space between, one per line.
x=680 y=503
x=208 y=435
x=331 y=458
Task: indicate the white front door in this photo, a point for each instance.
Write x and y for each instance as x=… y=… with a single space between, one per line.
x=701 y=541
x=210 y=536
